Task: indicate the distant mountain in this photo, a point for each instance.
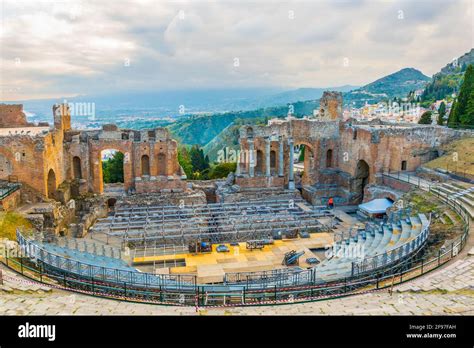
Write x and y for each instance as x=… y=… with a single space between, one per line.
x=201 y=129
x=457 y=64
x=398 y=84
x=126 y=106
x=228 y=137
x=123 y=108
x=447 y=81
x=301 y=94
x=226 y=133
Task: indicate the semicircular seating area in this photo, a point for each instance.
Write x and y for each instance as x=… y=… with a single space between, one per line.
x=398 y=237
x=385 y=238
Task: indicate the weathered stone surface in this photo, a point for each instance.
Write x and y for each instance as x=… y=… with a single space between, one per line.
x=12 y=116
x=60 y=161
x=342 y=158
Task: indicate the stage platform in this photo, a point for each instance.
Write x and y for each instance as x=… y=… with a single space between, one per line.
x=210 y=267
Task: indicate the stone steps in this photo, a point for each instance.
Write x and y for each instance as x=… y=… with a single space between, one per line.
x=393 y=236
x=448 y=194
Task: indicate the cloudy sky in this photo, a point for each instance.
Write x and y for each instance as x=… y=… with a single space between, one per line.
x=65 y=48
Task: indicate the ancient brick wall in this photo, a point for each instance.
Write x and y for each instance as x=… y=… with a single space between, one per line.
x=29 y=159
x=49 y=158
x=396 y=184
x=12 y=115
x=330 y=106
x=11 y=202
x=150 y=158
x=350 y=155
x=261 y=181
x=316 y=136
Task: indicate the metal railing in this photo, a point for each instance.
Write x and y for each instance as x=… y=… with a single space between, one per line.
x=455 y=202
x=89 y=246
x=159 y=250
x=272 y=278
x=389 y=257
x=61 y=264
x=7 y=188
x=201 y=296
x=275 y=287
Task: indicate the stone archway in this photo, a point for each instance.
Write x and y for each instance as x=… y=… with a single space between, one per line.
x=260 y=163
x=76 y=166
x=329 y=159
x=52 y=185
x=113 y=171
x=360 y=180
x=306 y=155
x=249 y=132
x=97 y=147
x=145 y=165
x=273 y=160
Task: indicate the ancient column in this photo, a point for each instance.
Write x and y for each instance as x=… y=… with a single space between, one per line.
x=281 y=158
x=267 y=157
x=291 y=174
x=239 y=160
x=252 y=159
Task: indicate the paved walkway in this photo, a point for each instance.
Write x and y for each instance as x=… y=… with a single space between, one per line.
x=449 y=290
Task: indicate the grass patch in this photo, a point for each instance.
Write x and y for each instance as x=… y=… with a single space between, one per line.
x=440 y=232
x=423 y=203
x=460 y=150
x=9 y=222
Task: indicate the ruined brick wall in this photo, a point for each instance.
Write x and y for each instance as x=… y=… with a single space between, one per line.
x=12 y=115
x=150 y=158
x=48 y=159
x=260 y=182
x=11 y=202
x=159 y=184
x=317 y=137
x=24 y=155
x=30 y=156
x=385 y=147
x=349 y=155
x=330 y=106
x=396 y=184
x=376 y=192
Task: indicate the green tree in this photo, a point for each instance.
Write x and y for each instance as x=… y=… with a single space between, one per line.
x=441 y=113
x=452 y=121
x=112 y=169
x=185 y=161
x=301 y=158
x=425 y=118
x=199 y=163
x=221 y=170
x=198 y=160
x=463 y=111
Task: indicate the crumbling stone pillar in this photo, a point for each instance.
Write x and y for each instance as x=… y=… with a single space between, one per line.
x=291 y=174
x=239 y=160
x=280 y=161
x=252 y=159
x=267 y=157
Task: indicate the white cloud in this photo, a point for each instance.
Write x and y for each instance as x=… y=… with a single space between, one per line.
x=78 y=47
